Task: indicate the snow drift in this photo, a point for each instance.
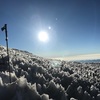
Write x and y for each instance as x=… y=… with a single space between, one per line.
x=36 y=78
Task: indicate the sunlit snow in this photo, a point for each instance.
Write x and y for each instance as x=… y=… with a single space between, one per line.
x=37 y=78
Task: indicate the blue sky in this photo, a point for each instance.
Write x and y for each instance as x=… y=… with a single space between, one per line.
x=75 y=26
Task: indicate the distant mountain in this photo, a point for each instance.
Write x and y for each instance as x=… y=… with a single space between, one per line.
x=89 y=61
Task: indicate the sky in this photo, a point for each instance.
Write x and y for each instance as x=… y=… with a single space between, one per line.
x=73 y=26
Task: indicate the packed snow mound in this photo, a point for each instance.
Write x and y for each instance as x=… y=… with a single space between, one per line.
x=37 y=78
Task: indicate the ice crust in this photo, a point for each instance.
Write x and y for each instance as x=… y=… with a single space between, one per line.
x=38 y=78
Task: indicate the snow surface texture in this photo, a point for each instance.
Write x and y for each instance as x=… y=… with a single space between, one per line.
x=36 y=78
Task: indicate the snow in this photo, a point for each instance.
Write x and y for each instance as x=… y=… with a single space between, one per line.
x=37 y=78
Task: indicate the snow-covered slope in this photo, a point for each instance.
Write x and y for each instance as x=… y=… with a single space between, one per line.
x=36 y=78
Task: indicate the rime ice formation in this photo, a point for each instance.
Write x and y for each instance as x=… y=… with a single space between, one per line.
x=36 y=78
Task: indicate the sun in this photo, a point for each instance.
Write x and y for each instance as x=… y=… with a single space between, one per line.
x=43 y=36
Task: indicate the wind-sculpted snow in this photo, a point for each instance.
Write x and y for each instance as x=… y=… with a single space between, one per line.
x=37 y=78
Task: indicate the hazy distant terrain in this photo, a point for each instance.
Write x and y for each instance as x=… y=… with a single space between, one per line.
x=37 y=78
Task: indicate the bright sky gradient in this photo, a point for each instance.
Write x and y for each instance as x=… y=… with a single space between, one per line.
x=73 y=26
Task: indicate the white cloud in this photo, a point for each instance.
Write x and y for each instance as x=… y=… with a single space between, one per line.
x=80 y=57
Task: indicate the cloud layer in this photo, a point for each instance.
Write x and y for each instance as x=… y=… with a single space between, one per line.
x=80 y=57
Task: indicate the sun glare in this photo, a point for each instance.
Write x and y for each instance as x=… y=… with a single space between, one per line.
x=43 y=36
